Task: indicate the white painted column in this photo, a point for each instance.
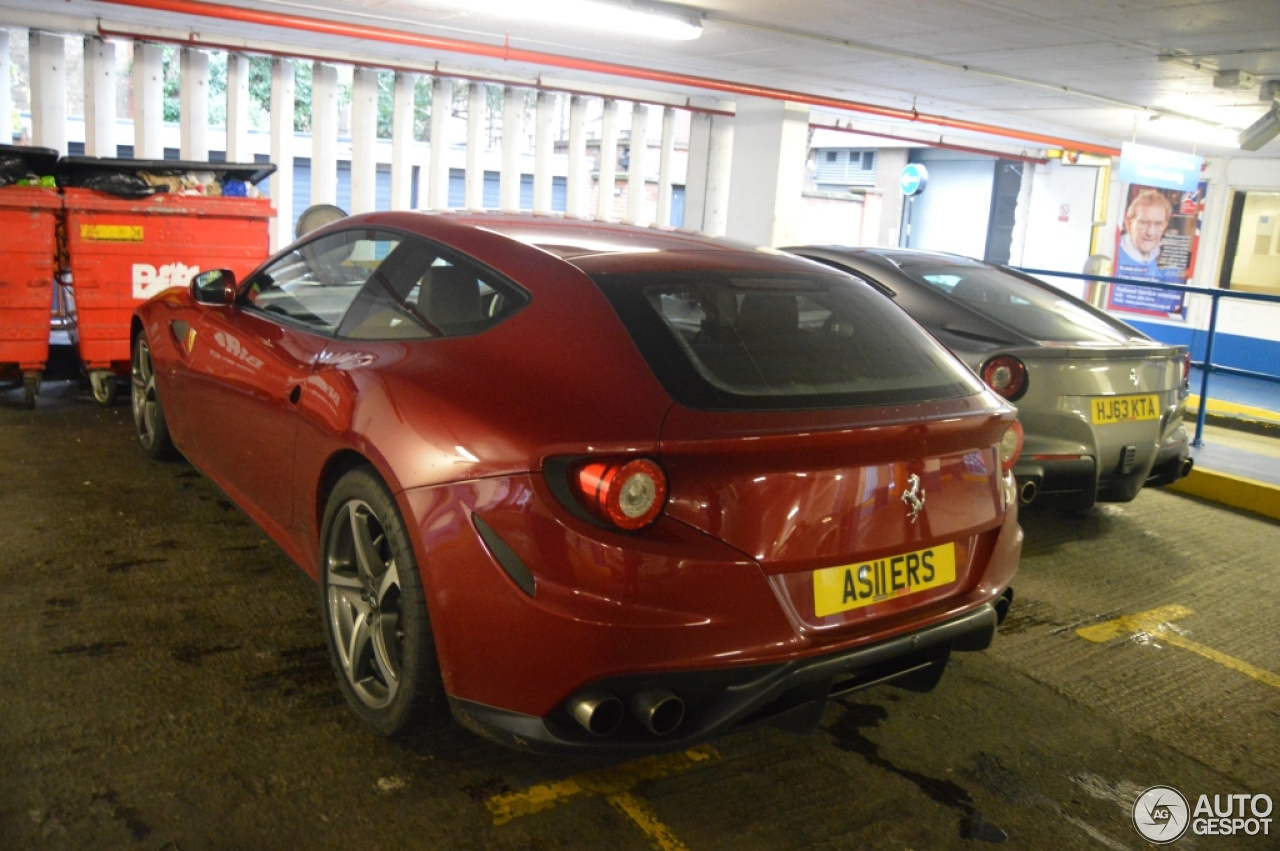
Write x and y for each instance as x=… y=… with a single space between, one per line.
x=364 y=140
x=441 y=105
x=48 y=58
x=282 y=151
x=148 y=101
x=576 y=197
x=473 y=188
x=6 y=92
x=770 y=139
x=402 y=142
x=194 y=105
x=715 y=217
x=543 y=150
x=324 y=133
x=99 y=97
x=608 y=160
x=512 y=138
x=238 y=109
x=636 y=164
x=706 y=192
x=665 y=155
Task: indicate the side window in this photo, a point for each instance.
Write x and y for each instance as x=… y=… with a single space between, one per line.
x=421 y=292
x=316 y=283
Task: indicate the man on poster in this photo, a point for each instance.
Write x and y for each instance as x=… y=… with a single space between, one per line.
x=1144 y=226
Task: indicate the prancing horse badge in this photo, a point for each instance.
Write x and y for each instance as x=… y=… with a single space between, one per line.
x=914 y=497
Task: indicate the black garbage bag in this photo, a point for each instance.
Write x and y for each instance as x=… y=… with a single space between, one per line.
x=14 y=169
x=120 y=183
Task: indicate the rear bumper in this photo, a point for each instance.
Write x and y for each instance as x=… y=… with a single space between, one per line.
x=790 y=694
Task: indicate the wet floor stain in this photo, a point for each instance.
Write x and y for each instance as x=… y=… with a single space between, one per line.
x=93 y=651
x=1027 y=614
x=848 y=735
x=193 y=655
x=108 y=802
x=306 y=673
x=126 y=566
x=485 y=789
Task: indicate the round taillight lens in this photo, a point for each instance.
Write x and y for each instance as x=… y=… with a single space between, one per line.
x=1011 y=446
x=629 y=495
x=1006 y=375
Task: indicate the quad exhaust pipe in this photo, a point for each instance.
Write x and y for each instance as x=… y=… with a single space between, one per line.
x=1027 y=491
x=658 y=710
x=1185 y=469
x=598 y=713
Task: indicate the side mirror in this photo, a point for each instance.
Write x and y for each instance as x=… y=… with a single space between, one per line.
x=217 y=286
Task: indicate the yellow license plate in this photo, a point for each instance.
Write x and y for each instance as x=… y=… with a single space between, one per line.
x=1124 y=409
x=852 y=586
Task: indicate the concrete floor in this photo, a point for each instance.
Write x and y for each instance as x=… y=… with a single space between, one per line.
x=165 y=686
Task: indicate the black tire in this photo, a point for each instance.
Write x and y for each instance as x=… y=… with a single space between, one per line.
x=148 y=413
x=375 y=614
x=30 y=391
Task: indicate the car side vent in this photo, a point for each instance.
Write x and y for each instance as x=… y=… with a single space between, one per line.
x=1128 y=458
x=506 y=557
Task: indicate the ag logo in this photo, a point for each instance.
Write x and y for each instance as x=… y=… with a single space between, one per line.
x=1160 y=814
x=148 y=280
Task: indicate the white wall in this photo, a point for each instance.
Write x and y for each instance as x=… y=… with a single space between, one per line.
x=952 y=212
x=1057 y=223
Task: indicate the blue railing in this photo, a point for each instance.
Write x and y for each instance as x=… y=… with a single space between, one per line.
x=1207 y=366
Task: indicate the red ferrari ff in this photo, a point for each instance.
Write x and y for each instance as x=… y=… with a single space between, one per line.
x=587 y=486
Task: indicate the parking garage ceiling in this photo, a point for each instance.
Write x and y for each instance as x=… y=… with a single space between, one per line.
x=1093 y=72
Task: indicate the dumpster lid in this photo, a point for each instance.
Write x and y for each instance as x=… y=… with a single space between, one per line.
x=74 y=171
x=39 y=161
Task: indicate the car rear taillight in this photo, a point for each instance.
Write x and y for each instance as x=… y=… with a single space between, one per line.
x=1011 y=446
x=626 y=494
x=1006 y=375
x=1186 y=371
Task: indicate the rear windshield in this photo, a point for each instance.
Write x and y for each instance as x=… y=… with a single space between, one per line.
x=1041 y=314
x=733 y=341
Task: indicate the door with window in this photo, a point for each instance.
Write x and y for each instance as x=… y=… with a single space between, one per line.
x=250 y=361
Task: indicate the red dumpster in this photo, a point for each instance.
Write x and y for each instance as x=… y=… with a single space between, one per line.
x=29 y=246
x=121 y=251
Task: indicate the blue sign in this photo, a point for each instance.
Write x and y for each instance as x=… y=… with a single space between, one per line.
x=1150 y=166
x=913 y=179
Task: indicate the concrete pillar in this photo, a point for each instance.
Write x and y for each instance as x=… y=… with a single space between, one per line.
x=324 y=133
x=99 y=97
x=512 y=137
x=636 y=165
x=194 y=105
x=48 y=58
x=608 y=160
x=706 y=189
x=665 y=155
x=402 y=142
x=576 y=197
x=543 y=149
x=889 y=165
x=282 y=151
x=441 y=104
x=6 y=92
x=148 y=101
x=770 y=141
x=364 y=140
x=238 y=109
x=473 y=192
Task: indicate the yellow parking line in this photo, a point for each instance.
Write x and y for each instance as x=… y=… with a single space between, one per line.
x=647 y=820
x=1157 y=623
x=616 y=784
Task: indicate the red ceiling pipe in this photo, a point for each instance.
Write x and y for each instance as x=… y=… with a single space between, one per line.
x=533 y=57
